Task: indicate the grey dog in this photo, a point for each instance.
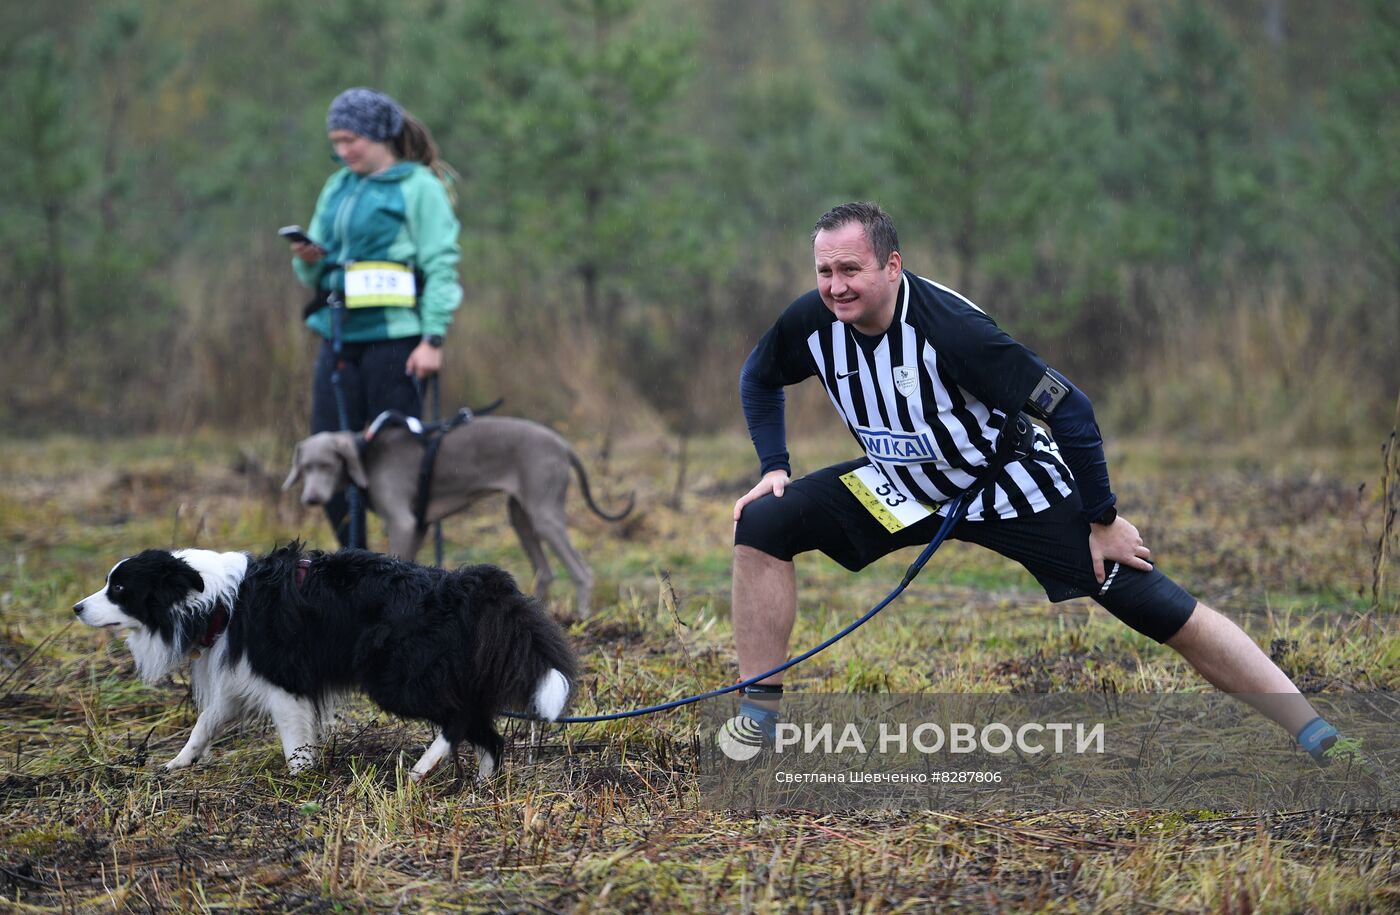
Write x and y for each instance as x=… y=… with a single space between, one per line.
x=491 y=454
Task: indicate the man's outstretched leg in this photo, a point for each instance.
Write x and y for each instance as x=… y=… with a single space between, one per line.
x=1231 y=661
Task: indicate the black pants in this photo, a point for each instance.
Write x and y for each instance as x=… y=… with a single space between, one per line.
x=373 y=380
x=818 y=512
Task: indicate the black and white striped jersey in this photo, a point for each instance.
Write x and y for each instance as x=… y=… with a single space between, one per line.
x=927 y=400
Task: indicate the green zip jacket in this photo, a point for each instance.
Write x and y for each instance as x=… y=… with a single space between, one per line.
x=401 y=214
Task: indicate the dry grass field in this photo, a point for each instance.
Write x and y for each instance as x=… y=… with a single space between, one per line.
x=606 y=817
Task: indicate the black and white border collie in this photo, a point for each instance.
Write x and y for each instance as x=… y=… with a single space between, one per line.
x=287 y=635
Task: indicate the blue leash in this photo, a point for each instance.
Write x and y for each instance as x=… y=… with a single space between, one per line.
x=955 y=513
x=432 y=386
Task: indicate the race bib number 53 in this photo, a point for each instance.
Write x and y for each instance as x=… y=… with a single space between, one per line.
x=888 y=505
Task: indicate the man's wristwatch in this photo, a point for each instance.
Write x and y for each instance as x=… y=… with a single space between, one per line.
x=434 y=340
x=1106 y=517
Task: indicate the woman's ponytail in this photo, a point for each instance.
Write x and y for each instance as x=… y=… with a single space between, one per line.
x=416 y=144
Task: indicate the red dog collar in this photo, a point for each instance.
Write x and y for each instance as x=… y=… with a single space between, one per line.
x=218 y=622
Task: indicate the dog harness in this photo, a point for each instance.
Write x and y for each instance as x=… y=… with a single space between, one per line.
x=431 y=434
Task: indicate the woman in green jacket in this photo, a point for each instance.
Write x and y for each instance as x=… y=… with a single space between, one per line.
x=384 y=237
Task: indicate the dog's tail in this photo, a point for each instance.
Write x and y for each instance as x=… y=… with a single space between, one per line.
x=553 y=668
x=588 y=496
x=551 y=694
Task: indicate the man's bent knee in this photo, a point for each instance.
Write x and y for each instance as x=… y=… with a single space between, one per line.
x=768 y=526
x=752 y=558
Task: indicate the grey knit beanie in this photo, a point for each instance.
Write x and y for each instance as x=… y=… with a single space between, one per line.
x=365 y=112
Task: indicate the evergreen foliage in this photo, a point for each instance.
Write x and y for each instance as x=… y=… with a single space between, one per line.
x=1103 y=177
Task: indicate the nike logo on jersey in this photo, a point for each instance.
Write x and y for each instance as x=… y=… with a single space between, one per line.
x=842 y=376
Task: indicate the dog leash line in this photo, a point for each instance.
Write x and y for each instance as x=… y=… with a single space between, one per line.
x=955 y=513
x=354 y=499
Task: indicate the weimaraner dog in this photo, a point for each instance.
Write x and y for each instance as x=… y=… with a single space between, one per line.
x=525 y=460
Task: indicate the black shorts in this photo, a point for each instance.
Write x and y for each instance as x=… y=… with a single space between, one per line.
x=818 y=512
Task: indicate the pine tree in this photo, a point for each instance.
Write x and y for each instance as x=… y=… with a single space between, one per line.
x=48 y=170
x=1355 y=174
x=960 y=87
x=1205 y=184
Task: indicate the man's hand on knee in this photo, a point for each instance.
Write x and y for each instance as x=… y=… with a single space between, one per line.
x=774 y=481
x=1118 y=542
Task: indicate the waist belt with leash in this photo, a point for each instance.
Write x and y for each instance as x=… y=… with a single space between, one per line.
x=369 y=284
x=1011 y=448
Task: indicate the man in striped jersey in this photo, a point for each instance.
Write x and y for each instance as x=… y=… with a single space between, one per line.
x=936 y=394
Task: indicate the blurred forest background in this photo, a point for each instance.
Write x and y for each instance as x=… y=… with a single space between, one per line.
x=1192 y=208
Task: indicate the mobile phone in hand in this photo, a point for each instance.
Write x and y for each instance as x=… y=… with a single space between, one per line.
x=295 y=233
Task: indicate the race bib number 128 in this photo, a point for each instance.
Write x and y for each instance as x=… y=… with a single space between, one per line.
x=378 y=284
